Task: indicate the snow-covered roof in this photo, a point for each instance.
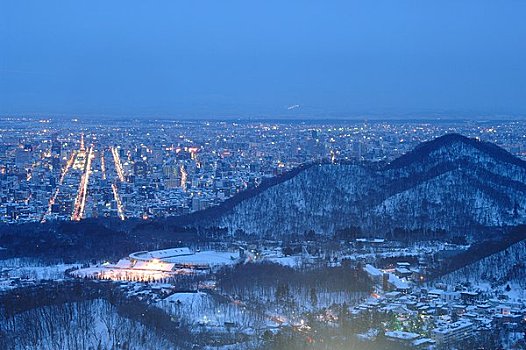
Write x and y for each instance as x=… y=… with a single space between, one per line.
x=436 y=292
x=210 y=258
x=402 y=270
x=123 y=264
x=370 y=240
x=473 y=294
x=397 y=282
x=392 y=294
x=402 y=335
x=455 y=326
x=423 y=341
x=372 y=271
x=154 y=266
x=161 y=254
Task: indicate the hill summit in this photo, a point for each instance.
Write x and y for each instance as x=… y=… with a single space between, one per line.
x=451 y=183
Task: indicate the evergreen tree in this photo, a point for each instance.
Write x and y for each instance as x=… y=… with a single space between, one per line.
x=313 y=297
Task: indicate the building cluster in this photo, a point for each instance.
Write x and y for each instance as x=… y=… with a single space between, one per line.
x=159 y=265
x=74 y=169
x=440 y=316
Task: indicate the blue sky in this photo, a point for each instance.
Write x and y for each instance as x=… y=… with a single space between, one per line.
x=256 y=58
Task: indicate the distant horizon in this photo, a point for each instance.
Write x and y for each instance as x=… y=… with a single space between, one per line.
x=351 y=118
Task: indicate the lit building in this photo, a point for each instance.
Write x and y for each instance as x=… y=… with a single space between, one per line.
x=454 y=332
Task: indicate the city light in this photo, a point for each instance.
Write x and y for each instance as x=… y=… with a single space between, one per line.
x=118 y=201
x=80 y=202
x=118 y=164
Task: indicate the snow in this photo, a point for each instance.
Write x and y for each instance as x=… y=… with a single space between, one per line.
x=188 y=299
x=123 y=264
x=202 y=310
x=209 y=258
x=498 y=269
x=30 y=270
x=291 y=261
x=89 y=324
x=461 y=324
x=373 y=271
x=402 y=335
x=397 y=282
x=444 y=191
x=160 y=254
x=422 y=341
x=402 y=270
x=154 y=265
x=107 y=272
x=371 y=334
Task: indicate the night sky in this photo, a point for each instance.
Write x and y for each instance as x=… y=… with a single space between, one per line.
x=258 y=58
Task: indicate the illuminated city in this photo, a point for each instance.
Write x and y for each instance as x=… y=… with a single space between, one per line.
x=129 y=170
x=262 y=175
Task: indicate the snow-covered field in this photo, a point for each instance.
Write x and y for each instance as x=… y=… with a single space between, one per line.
x=291 y=261
x=205 y=312
x=30 y=270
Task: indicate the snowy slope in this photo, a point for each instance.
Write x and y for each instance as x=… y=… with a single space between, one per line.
x=506 y=266
x=451 y=183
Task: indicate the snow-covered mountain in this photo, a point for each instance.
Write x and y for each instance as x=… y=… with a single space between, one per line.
x=505 y=266
x=452 y=183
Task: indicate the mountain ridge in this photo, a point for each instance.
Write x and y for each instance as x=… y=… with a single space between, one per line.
x=451 y=183
x=427 y=147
